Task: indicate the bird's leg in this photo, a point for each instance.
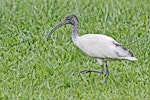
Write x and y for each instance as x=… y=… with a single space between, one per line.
x=91 y=70
x=103 y=71
x=106 y=73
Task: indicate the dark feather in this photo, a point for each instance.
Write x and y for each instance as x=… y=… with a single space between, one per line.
x=126 y=51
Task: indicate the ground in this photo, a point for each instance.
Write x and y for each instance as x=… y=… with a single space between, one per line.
x=32 y=68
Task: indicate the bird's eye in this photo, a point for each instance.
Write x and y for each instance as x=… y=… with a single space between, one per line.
x=68 y=18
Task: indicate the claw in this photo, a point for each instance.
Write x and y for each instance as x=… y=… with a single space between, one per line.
x=97 y=71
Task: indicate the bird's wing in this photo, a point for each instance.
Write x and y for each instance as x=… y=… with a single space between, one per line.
x=102 y=46
x=122 y=52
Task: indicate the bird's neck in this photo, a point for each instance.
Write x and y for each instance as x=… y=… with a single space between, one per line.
x=75 y=32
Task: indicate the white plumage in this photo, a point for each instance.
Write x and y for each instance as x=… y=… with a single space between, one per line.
x=98 y=46
x=102 y=46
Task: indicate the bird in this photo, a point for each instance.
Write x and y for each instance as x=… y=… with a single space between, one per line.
x=98 y=46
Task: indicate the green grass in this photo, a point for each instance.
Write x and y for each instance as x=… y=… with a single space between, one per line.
x=32 y=68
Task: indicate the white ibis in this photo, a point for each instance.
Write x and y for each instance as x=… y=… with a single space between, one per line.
x=101 y=47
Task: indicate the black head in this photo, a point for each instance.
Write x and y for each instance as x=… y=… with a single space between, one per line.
x=72 y=19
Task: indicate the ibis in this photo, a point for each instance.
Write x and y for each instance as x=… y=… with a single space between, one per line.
x=99 y=46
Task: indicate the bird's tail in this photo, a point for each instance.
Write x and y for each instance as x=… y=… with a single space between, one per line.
x=129 y=58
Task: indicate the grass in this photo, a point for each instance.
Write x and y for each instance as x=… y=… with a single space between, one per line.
x=32 y=68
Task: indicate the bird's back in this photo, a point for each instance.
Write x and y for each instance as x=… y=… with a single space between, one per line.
x=102 y=46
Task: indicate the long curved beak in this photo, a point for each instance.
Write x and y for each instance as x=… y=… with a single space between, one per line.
x=56 y=27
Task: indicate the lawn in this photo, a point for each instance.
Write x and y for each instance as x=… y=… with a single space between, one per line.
x=33 y=69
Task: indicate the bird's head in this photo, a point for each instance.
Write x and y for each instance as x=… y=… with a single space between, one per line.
x=72 y=19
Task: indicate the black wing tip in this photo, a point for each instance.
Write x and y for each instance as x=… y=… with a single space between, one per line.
x=129 y=52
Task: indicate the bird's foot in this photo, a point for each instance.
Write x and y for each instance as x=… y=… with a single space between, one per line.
x=90 y=70
x=106 y=73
